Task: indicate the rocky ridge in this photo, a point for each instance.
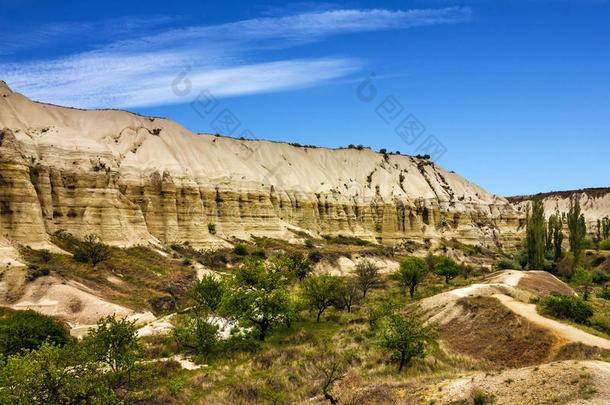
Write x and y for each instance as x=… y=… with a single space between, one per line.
x=136 y=180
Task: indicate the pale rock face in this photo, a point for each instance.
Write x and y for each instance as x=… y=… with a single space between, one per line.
x=134 y=180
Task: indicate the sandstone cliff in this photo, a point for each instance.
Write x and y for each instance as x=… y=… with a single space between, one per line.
x=133 y=179
x=594 y=203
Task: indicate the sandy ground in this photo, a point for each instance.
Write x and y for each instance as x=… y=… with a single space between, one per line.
x=573 y=382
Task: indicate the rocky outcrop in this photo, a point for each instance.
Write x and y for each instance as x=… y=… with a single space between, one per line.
x=133 y=179
x=594 y=203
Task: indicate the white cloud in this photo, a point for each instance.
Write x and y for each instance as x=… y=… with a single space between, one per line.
x=224 y=59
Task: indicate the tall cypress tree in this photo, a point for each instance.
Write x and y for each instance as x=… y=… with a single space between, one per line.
x=535 y=234
x=556 y=234
x=578 y=230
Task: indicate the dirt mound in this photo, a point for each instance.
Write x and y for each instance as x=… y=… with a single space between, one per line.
x=494 y=321
x=485 y=329
x=572 y=382
x=543 y=283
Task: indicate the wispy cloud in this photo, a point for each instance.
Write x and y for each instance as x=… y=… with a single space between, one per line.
x=228 y=59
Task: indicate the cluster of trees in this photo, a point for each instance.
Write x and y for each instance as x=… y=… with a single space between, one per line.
x=544 y=238
x=41 y=364
x=258 y=298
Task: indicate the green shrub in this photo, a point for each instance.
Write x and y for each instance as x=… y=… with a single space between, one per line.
x=604 y=293
x=259 y=254
x=212 y=229
x=240 y=250
x=28 y=330
x=34 y=272
x=186 y=262
x=604 y=244
x=600 y=277
x=315 y=256
x=505 y=263
x=567 y=307
x=309 y=244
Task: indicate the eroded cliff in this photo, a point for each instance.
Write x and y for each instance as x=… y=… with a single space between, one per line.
x=133 y=179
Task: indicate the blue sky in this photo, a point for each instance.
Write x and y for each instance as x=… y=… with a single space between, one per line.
x=516 y=92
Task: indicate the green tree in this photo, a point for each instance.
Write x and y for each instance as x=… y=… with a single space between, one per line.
x=258 y=298
x=92 y=250
x=405 y=337
x=349 y=293
x=115 y=344
x=196 y=332
x=367 y=274
x=412 y=271
x=535 y=234
x=28 y=330
x=583 y=279
x=578 y=230
x=321 y=292
x=606 y=228
x=556 y=234
x=446 y=267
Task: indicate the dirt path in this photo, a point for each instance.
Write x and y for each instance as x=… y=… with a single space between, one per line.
x=564 y=331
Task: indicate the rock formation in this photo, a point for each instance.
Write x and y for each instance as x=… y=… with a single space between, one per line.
x=133 y=180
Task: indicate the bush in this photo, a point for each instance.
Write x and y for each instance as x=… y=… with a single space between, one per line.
x=28 y=330
x=567 y=307
x=186 y=262
x=604 y=293
x=34 y=272
x=315 y=256
x=259 y=254
x=240 y=250
x=604 y=244
x=212 y=229
x=309 y=244
x=509 y=264
x=600 y=277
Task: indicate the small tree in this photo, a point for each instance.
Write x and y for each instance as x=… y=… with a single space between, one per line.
x=578 y=230
x=92 y=250
x=300 y=266
x=196 y=332
x=412 y=271
x=447 y=267
x=349 y=293
x=332 y=367
x=583 y=279
x=405 y=337
x=321 y=292
x=367 y=274
x=115 y=343
x=466 y=270
x=258 y=298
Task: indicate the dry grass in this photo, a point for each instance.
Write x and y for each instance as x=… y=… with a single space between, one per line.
x=487 y=330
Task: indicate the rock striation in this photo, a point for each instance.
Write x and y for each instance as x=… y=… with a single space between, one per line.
x=136 y=180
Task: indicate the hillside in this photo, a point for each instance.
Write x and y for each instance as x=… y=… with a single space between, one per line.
x=133 y=180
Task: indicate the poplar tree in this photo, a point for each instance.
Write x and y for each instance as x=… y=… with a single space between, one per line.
x=578 y=230
x=535 y=234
